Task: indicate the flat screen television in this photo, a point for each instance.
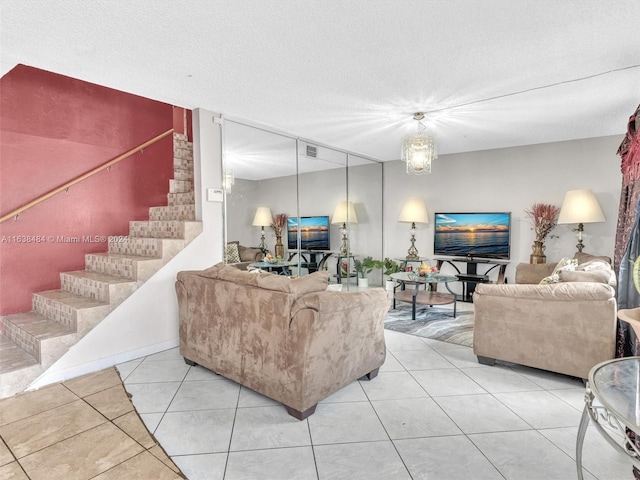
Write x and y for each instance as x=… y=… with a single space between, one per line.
x=481 y=235
x=314 y=233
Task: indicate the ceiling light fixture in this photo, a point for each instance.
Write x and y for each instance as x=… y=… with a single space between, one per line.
x=419 y=150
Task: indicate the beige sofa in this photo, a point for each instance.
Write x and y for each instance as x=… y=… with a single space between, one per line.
x=288 y=339
x=245 y=255
x=565 y=327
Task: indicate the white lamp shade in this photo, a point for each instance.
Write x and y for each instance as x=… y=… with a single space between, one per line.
x=263 y=217
x=414 y=210
x=580 y=206
x=344 y=213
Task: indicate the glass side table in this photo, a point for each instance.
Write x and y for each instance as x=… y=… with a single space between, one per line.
x=612 y=400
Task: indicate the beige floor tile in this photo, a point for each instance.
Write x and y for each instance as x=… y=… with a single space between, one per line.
x=132 y=425
x=12 y=471
x=94 y=382
x=112 y=402
x=26 y=404
x=141 y=467
x=5 y=454
x=159 y=453
x=82 y=456
x=39 y=431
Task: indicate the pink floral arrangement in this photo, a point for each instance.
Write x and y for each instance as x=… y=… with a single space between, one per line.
x=544 y=219
x=279 y=222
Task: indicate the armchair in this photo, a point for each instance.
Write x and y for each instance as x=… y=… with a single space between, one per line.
x=565 y=327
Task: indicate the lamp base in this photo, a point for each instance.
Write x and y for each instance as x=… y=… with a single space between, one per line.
x=579 y=231
x=344 y=248
x=412 y=253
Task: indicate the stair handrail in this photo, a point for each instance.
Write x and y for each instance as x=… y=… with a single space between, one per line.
x=15 y=213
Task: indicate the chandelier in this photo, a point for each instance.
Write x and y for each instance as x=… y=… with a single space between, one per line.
x=419 y=150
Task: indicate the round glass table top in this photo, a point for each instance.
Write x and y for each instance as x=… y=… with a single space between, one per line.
x=616 y=384
x=414 y=277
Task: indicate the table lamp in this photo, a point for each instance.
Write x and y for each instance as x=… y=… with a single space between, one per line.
x=580 y=206
x=413 y=211
x=263 y=218
x=343 y=214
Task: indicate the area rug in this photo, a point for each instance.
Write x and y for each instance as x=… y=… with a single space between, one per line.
x=432 y=322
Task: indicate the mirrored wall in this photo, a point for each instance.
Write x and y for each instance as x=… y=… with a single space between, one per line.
x=332 y=201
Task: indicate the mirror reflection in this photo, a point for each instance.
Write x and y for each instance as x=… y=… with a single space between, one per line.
x=294 y=207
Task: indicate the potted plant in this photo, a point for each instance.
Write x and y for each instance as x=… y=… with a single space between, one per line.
x=390 y=266
x=364 y=267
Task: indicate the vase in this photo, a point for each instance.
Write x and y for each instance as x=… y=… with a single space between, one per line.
x=279 y=248
x=538 y=255
x=363 y=282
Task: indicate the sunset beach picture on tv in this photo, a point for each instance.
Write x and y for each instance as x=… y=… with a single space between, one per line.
x=482 y=235
x=314 y=233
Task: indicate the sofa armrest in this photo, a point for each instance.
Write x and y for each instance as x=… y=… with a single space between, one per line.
x=335 y=337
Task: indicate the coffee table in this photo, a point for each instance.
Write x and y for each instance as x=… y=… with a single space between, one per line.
x=612 y=402
x=428 y=296
x=281 y=268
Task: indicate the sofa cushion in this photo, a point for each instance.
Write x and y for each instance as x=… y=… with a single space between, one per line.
x=564 y=264
x=314 y=282
x=598 y=276
x=231 y=254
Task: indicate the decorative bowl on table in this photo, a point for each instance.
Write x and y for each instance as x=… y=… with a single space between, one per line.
x=271 y=259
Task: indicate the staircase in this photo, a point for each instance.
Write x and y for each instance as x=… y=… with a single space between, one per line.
x=31 y=342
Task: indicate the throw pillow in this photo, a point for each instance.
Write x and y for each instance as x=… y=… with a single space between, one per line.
x=231 y=253
x=564 y=264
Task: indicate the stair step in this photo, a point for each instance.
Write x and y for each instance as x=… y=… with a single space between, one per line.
x=99 y=286
x=186 y=198
x=183 y=164
x=180 y=186
x=180 y=142
x=186 y=230
x=28 y=331
x=181 y=174
x=164 y=248
x=13 y=357
x=135 y=267
x=71 y=310
x=174 y=212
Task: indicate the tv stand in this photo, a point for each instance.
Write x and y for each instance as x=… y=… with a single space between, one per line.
x=470 y=277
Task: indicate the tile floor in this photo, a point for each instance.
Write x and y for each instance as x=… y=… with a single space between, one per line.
x=432 y=413
x=85 y=428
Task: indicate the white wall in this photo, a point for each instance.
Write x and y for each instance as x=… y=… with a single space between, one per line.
x=510 y=179
x=147 y=321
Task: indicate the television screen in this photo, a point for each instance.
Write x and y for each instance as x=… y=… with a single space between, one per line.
x=482 y=235
x=314 y=233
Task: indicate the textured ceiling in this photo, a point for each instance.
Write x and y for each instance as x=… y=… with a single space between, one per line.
x=489 y=74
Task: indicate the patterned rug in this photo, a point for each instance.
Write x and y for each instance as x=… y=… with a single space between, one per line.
x=432 y=322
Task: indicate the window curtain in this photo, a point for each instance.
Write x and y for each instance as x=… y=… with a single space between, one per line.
x=629 y=152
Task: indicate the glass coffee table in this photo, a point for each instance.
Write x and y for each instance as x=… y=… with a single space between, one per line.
x=612 y=402
x=428 y=296
x=280 y=268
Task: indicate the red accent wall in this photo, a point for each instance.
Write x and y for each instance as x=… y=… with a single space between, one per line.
x=52 y=129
